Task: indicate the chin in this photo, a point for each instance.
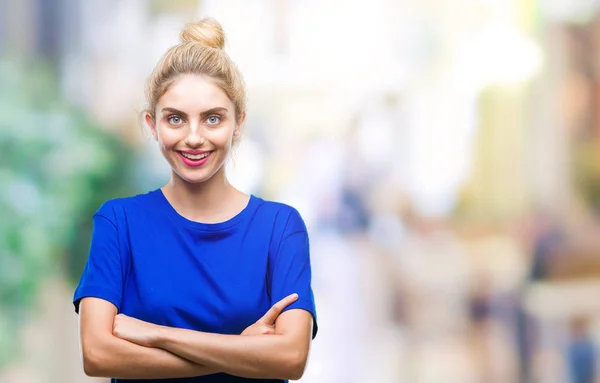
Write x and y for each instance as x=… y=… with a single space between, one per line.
x=194 y=179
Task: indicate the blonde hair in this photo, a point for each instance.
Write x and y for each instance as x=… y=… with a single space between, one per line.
x=200 y=52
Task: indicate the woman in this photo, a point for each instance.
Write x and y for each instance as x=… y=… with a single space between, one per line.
x=181 y=282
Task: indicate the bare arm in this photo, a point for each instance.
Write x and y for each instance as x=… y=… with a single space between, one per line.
x=282 y=355
x=105 y=355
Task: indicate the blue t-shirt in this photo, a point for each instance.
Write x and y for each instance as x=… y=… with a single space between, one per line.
x=155 y=265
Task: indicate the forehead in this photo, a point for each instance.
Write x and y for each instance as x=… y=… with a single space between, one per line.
x=192 y=92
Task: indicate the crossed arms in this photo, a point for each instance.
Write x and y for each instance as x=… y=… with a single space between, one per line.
x=118 y=346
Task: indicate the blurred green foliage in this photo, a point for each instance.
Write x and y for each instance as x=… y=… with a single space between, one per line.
x=56 y=168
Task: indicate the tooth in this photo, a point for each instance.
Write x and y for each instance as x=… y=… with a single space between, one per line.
x=195 y=157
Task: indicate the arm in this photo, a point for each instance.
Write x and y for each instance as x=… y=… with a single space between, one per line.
x=105 y=355
x=279 y=356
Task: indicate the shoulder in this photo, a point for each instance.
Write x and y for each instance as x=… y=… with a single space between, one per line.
x=286 y=217
x=118 y=208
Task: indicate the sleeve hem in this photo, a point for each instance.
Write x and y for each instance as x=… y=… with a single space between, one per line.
x=97 y=292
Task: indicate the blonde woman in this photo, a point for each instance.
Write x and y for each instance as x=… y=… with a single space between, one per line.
x=196 y=280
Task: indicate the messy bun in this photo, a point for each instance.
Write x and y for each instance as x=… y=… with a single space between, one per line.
x=207 y=32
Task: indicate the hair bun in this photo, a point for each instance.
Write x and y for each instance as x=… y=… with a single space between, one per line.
x=207 y=32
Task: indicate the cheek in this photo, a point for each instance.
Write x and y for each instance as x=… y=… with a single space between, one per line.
x=167 y=138
x=222 y=138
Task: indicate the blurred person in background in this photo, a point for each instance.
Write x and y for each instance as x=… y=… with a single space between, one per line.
x=545 y=236
x=581 y=355
x=174 y=276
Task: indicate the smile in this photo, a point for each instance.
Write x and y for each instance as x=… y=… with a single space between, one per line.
x=195 y=159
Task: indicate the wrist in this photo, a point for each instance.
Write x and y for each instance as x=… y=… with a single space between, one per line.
x=159 y=336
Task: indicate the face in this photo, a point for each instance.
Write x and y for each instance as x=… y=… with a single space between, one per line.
x=195 y=127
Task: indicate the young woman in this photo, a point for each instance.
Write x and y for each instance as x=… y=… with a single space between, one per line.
x=196 y=280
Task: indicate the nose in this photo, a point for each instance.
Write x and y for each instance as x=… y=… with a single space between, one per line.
x=194 y=138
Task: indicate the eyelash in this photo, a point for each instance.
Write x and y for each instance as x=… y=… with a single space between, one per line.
x=215 y=116
x=170 y=119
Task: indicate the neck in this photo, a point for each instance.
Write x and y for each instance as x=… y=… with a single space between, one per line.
x=203 y=201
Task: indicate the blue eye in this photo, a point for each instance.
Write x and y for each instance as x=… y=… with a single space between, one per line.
x=175 y=120
x=213 y=120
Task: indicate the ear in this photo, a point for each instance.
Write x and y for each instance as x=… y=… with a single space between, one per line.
x=150 y=122
x=238 y=126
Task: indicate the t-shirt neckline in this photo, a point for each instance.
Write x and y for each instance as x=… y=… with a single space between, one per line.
x=201 y=226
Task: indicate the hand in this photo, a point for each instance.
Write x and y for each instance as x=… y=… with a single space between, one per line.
x=266 y=324
x=135 y=330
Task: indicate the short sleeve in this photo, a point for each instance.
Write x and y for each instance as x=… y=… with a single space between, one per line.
x=102 y=276
x=291 y=271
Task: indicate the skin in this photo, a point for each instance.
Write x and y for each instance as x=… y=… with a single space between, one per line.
x=195 y=114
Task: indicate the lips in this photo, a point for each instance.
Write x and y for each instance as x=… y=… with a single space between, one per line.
x=194 y=159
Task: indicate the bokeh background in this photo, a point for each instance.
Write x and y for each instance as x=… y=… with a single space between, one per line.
x=444 y=154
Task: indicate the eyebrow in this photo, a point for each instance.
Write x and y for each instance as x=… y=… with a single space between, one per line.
x=218 y=109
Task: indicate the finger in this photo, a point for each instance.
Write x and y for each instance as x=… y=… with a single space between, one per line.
x=277 y=308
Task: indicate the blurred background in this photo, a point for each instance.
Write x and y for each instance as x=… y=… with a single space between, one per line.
x=444 y=154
